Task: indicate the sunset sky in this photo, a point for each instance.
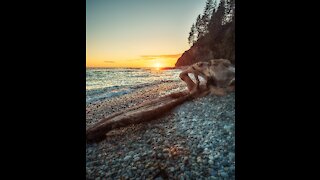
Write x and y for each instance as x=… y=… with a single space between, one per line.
x=138 y=33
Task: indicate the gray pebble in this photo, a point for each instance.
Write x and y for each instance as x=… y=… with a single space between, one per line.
x=127 y=158
x=204 y=128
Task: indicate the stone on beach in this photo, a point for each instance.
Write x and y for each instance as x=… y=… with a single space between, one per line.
x=195 y=140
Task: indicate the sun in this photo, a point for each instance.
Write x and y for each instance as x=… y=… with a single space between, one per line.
x=157 y=66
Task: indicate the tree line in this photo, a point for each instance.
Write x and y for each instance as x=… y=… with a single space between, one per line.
x=214 y=29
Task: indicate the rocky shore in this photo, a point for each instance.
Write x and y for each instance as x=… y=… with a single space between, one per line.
x=194 y=141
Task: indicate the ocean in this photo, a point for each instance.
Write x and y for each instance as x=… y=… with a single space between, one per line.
x=103 y=83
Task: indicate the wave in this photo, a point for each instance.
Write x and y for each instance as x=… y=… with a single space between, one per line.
x=101 y=95
x=110 y=82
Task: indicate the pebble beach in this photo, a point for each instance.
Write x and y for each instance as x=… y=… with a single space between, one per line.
x=196 y=140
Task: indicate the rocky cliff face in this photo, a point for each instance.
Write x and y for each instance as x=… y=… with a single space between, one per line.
x=194 y=54
x=211 y=46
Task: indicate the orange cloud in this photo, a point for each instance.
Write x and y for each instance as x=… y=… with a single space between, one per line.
x=109 y=61
x=150 y=57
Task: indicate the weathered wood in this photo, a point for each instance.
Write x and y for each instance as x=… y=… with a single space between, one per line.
x=144 y=112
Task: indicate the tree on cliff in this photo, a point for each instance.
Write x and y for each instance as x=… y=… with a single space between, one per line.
x=207 y=15
x=229 y=11
x=216 y=20
x=203 y=21
x=192 y=35
x=200 y=26
x=215 y=35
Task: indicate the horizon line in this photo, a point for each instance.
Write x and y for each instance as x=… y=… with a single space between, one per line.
x=127 y=67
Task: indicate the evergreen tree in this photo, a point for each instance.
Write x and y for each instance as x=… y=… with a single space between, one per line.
x=214 y=6
x=213 y=33
x=192 y=35
x=207 y=15
x=216 y=21
x=200 y=27
x=229 y=11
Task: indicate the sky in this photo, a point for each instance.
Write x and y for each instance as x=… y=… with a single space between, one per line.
x=138 y=33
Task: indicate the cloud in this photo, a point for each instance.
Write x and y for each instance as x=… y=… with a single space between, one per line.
x=148 y=58
x=109 y=61
x=151 y=57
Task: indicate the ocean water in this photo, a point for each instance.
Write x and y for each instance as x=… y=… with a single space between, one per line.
x=102 y=83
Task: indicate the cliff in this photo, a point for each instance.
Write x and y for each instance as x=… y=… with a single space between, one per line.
x=222 y=45
x=195 y=54
x=212 y=36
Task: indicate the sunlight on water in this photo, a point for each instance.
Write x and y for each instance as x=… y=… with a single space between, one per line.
x=104 y=83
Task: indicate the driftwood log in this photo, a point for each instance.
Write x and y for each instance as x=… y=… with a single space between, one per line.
x=144 y=112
